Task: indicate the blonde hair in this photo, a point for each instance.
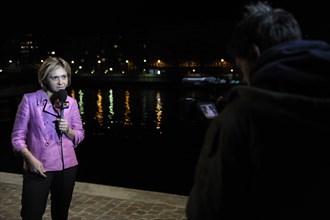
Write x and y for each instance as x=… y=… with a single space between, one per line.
x=48 y=66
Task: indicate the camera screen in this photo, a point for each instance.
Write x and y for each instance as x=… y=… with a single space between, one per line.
x=209 y=110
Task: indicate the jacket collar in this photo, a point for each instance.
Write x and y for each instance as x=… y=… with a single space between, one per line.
x=41 y=96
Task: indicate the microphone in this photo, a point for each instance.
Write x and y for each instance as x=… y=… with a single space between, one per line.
x=61 y=95
x=61 y=103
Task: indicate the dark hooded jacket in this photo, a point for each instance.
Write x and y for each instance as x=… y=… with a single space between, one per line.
x=267 y=155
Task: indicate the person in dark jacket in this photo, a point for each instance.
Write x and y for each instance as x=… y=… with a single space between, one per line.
x=267 y=154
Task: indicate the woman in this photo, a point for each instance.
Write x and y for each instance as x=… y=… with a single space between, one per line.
x=47 y=129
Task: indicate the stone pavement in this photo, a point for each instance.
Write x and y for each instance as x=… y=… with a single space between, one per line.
x=98 y=202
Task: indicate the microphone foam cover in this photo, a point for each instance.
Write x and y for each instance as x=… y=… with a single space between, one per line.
x=61 y=95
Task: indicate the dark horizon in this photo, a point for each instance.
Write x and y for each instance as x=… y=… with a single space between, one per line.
x=169 y=27
x=122 y=16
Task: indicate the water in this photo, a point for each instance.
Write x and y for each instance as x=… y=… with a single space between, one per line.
x=141 y=137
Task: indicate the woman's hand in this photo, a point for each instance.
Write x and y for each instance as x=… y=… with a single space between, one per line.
x=63 y=125
x=34 y=165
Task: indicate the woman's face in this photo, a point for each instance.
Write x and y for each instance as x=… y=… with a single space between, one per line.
x=57 y=80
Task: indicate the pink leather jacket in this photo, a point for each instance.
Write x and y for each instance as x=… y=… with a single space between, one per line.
x=35 y=128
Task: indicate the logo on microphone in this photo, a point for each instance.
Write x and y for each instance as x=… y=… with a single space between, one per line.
x=61 y=105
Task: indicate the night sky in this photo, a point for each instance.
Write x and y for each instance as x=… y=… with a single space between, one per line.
x=207 y=23
x=105 y=16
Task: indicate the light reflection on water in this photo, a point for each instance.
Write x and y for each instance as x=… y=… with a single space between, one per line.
x=99 y=112
x=158 y=110
x=122 y=107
